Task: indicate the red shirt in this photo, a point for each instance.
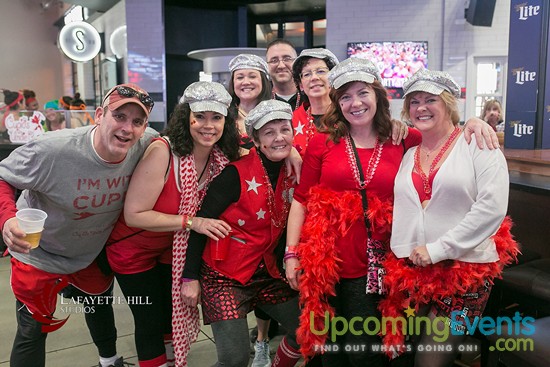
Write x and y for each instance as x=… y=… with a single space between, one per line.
x=328 y=164
x=141 y=250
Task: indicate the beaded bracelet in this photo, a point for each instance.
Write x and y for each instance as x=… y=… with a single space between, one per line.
x=290 y=255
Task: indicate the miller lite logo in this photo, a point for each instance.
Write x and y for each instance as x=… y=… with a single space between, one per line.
x=521 y=129
x=523 y=76
x=525 y=11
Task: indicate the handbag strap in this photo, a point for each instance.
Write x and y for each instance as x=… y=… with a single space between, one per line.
x=364 y=189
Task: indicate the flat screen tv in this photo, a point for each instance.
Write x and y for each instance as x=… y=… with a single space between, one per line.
x=396 y=61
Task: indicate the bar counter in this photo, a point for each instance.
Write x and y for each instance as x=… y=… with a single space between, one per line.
x=529 y=203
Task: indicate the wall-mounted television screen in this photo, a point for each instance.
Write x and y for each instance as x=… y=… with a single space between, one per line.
x=396 y=61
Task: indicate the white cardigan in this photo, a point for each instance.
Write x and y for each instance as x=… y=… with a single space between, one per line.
x=469 y=201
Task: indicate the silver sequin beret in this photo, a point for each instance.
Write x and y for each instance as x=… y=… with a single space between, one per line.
x=431 y=81
x=207 y=96
x=265 y=112
x=317 y=53
x=248 y=61
x=353 y=70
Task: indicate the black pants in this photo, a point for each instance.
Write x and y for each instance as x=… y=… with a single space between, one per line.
x=351 y=300
x=29 y=346
x=149 y=295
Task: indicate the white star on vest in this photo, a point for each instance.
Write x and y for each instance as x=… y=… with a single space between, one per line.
x=253 y=185
x=261 y=214
x=300 y=128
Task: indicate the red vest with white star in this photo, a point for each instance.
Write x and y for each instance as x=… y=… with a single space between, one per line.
x=253 y=235
x=302 y=126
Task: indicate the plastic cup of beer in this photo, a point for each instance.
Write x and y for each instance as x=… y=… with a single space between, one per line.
x=31 y=221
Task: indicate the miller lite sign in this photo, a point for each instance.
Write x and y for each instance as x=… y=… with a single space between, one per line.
x=523 y=73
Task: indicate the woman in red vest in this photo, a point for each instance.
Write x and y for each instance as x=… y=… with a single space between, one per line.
x=253 y=196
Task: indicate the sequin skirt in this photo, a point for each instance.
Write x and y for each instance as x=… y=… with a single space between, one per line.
x=223 y=298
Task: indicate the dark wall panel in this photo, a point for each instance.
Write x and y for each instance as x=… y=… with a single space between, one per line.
x=188 y=29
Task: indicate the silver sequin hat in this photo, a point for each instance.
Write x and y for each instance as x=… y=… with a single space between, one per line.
x=265 y=112
x=207 y=96
x=353 y=70
x=248 y=61
x=317 y=53
x=433 y=82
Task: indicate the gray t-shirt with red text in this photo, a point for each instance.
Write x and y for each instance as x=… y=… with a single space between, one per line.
x=82 y=194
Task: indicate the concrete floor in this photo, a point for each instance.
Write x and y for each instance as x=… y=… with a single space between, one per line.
x=72 y=346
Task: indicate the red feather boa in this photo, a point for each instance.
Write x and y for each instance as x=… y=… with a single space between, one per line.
x=423 y=284
x=330 y=215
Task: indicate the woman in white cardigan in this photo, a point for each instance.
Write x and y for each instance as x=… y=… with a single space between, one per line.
x=450 y=199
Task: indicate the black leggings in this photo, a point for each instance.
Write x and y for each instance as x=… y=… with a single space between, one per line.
x=29 y=346
x=352 y=300
x=149 y=295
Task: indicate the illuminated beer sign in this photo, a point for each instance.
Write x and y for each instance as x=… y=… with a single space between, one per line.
x=80 y=41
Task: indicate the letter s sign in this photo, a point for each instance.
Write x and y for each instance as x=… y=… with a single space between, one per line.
x=79 y=41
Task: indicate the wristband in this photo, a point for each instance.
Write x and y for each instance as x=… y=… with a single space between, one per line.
x=184 y=221
x=291 y=249
x=186 y=280
x=189 y=223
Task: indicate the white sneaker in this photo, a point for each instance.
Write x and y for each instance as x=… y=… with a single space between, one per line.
x=261 y=355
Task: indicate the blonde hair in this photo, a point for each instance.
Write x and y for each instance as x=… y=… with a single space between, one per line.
x=488 y=105
x=450 y=104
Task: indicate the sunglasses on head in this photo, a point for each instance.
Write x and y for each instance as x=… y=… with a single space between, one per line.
x=128 y=92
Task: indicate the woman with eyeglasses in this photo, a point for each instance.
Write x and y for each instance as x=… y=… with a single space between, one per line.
x=310 y=71
x=147 y=247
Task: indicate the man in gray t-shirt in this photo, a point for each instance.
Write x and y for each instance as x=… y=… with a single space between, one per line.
x=79 y=177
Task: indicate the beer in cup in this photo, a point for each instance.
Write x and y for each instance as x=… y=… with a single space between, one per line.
x=31 y=221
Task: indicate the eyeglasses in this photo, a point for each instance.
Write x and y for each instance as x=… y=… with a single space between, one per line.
x=128 y=92
x=319 y=72
x=286 y=60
